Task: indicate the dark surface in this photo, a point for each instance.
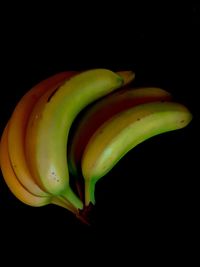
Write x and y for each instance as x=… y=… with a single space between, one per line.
x=151 y=195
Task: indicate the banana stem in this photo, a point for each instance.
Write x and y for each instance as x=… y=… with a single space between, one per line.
x=68 y=204
x=59 y=201
x=89 y=192
x=72 y=198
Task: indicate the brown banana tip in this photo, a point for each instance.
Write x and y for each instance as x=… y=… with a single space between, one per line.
x=127 y=76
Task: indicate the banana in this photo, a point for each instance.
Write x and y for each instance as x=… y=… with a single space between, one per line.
x=18 y=190
x=101 y=111
x=17 y=127
x=47 y=132
x=123 y=132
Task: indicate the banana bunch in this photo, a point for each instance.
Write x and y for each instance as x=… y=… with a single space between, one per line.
x=41 y=154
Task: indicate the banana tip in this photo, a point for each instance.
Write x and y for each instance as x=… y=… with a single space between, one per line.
x=127 y=76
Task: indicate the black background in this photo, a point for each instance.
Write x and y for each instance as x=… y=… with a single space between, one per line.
x=151 y=196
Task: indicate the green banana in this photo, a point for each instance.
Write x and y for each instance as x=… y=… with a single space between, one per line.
x=102 y=110
x=47 y=134
x=123 y=132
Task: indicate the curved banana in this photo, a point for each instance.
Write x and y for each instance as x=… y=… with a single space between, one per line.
x=47 y=132
x=17 y=127
x=101 y=111
x=122 y=133
x=18 y=190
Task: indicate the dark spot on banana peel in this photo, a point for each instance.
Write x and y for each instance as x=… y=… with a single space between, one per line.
x=138 y=119
x=182 y=121
x=55 y=177
x=101 y=131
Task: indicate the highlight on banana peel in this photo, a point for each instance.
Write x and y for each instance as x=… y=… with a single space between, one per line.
x=39 y=157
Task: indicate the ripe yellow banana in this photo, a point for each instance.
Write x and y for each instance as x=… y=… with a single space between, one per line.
x=122 y=133
x=17 y=188
x=47 y=132
x=17 y=128
x=101 y=111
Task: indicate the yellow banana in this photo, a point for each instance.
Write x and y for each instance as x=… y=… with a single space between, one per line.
x=17 y=128
x=17 y=188
x=101 y=111
x=47 y=132
x=123 y=132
